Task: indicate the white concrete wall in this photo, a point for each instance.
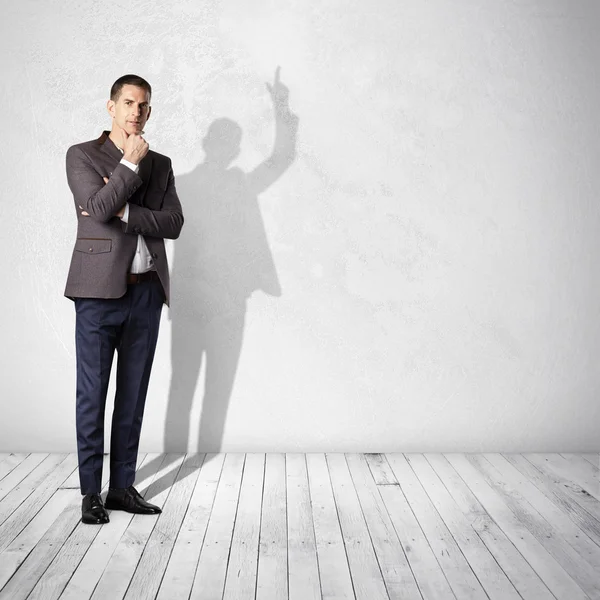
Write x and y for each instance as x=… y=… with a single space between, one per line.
x=435 y=239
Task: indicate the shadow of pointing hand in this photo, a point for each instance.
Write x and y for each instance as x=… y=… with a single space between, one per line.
x=280 y=95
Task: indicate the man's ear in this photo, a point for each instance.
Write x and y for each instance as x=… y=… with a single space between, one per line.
x=110 y=107
x=149 y=112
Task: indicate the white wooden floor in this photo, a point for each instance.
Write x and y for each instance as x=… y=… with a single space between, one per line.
x=308 y=526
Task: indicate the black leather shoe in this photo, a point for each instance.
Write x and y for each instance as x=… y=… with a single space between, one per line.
x=92 y=510
x=129 y=500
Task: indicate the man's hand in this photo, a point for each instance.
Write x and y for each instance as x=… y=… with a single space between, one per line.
x=118 y=214
x=135 y=147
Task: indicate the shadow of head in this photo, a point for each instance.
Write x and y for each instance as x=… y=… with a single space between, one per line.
x=221 y=143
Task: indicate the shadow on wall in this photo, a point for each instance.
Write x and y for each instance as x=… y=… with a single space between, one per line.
x=220 y=258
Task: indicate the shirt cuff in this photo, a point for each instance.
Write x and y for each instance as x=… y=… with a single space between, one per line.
x=131 y=165
x=125 y=216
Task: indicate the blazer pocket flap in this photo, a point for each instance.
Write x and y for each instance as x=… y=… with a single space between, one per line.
x=93 y=245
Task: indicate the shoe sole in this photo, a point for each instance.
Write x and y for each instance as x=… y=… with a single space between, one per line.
x=128 y=510
x=94 y=521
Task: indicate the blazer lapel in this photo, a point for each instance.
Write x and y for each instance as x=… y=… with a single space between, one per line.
x=107 y=146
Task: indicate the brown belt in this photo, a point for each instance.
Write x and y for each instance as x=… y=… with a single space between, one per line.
x=139 y=277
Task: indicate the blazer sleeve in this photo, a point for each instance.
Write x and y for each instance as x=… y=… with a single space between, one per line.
x=164 y=223
x=100 y=200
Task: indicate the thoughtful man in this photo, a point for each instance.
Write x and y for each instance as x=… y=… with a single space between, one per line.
x=126 y=204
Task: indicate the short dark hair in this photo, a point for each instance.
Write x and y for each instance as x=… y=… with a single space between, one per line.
x=117 y=86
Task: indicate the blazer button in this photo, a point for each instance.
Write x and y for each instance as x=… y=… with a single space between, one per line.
x=154 y=255
x=91 y=249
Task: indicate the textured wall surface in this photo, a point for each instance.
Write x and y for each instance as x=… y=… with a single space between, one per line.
x=428 y=276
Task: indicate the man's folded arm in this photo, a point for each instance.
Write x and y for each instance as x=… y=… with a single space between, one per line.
x=164 y=223
x=100 y=200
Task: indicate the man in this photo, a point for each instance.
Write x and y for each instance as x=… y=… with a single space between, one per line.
x=126 y=203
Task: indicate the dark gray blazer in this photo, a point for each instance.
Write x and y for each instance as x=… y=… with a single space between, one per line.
x=105 y=245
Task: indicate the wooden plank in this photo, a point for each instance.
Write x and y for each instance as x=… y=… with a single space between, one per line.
x=461 y=578
x=30 y=497
x=18 y=550
x=518 y=570
x=19 y=493
x=209 y=580
x=551 y=572
x=303 y=567
x=366 y=572
x=10 y=462
x=65 y=565
x=179 y=575
x=571 y=561
x=430 y=577
x=557 y=467
x=558 y=494
x=572 y=470
x=30 y=571
x=592 y=458
x=548 y=547
x=272 y=577
x=155 y=557
x=562 y=527
x=18 y=474
x=585 y=473
x=334 y=570
x=380 y=470
x=122 y=564
x=32 y=482
x=398 y=578
x=491 y=576
x=240 y=580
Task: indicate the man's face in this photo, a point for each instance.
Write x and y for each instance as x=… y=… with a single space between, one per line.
x=132 y=109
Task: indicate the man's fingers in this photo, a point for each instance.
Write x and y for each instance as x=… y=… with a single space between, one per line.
x=84 y=213
x=105 y=181
x=277 y=70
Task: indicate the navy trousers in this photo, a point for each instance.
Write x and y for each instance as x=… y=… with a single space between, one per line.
x=129 y=325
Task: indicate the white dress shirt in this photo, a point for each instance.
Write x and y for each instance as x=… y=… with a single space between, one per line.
x=142 y=261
